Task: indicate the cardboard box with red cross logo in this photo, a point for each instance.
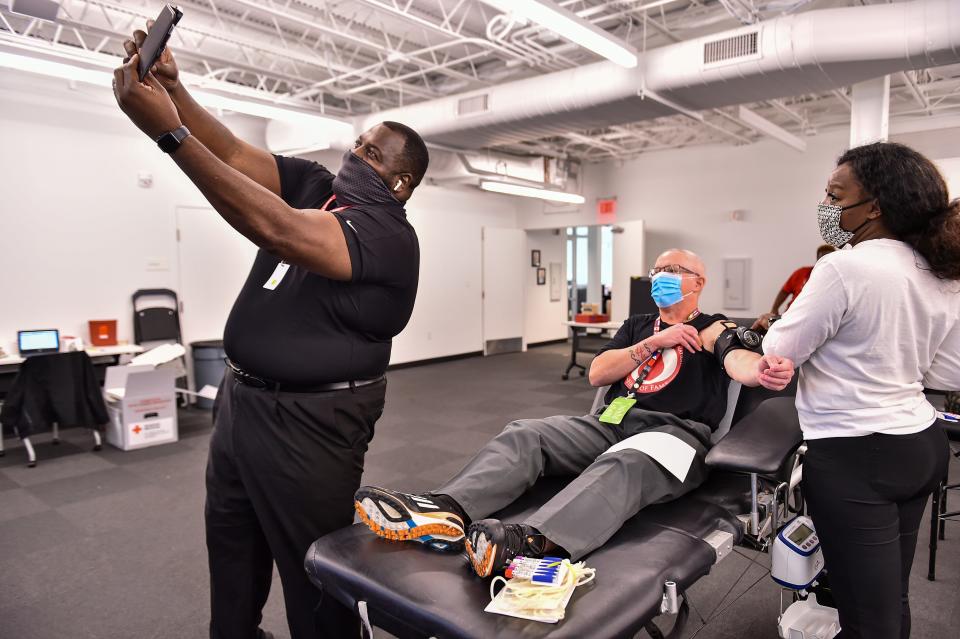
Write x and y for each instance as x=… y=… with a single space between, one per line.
x=142 y=406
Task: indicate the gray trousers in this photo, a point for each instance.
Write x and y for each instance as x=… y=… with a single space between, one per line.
x=608 y=489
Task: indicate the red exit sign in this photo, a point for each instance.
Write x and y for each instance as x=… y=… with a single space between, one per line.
x=607 y=210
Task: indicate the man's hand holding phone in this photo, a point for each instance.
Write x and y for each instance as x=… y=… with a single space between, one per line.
x=147 y=103
x=165 y=69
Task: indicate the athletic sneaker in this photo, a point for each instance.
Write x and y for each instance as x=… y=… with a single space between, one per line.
x=492 y=545
x=433 y=520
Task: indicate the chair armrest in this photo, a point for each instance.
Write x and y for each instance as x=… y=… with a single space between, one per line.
x=598 y=399
x=762 y=441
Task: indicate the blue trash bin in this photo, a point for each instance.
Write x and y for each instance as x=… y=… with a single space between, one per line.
x=208 y=366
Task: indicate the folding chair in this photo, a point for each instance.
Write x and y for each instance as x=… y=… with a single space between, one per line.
x=156 y=320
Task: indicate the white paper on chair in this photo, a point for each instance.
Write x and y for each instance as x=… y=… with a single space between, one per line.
x=208 y=392
x=116 y=394
x=671 y=452
x=159 y=355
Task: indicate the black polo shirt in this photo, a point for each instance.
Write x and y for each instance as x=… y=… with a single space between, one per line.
x=687 y=385
x=313 y=330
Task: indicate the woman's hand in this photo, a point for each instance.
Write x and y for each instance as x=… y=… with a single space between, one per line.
x=763 y=322
x=774 y=372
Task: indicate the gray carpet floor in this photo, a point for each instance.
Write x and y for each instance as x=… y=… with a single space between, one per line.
x=110 y=544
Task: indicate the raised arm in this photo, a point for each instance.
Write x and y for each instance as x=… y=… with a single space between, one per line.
x=257 y=164
x=311 y=239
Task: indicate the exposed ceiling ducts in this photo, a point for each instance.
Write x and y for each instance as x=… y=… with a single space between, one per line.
x=348 y=59
x=812 y=52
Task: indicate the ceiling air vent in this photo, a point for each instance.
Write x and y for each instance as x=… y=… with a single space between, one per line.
x=473 y=105
x=734 y=49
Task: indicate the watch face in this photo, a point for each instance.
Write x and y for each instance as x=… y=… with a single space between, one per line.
x=171 y=140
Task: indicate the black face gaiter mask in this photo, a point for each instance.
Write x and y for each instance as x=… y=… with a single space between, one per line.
x=357 y=183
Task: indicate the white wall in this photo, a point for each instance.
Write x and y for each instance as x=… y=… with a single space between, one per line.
x=685 y=197
x=447 y=317
x=950 y=168
x=542 y=317
x=78 y=233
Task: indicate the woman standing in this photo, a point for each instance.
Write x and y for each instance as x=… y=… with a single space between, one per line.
x=873 y=326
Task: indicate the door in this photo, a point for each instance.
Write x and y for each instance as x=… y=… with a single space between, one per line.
x=628 y=261
x=214 y=261
x=504 y=270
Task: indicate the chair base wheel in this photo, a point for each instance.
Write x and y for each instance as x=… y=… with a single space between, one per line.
x=564 y=377
x=582 y=373
x=97 y=447
x=55 y=442
x=32 y=464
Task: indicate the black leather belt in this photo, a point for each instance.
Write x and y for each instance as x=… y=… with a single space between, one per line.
x=253 y=381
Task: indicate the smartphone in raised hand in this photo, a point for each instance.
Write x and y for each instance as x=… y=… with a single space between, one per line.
x=157 y=38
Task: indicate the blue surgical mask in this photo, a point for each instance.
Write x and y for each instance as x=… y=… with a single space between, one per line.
x=666 y=289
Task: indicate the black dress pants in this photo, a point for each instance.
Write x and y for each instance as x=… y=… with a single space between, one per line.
x=866 y=496
x=282 y=471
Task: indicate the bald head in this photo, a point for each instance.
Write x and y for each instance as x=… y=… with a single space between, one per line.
x=692 y=273
x=682 y=257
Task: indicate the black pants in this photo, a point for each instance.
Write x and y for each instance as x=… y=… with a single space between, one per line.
x=866 y=496
x=282 y=471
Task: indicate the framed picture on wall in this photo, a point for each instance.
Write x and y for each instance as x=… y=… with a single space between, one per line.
x=535 y=257
x=541 y=276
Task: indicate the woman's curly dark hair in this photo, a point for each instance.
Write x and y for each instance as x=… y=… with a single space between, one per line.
x=913 y=200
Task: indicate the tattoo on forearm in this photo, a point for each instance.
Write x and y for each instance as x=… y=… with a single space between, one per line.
x=640 y=352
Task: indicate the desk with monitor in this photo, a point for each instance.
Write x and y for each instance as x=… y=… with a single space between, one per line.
x=40 y=342
x=99 y=355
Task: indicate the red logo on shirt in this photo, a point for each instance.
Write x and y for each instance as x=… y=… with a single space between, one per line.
x=662 y=373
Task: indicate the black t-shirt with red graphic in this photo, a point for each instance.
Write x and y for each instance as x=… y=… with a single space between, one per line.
x=688 y=385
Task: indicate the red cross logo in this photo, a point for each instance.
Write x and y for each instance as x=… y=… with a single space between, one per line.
x=137 y=429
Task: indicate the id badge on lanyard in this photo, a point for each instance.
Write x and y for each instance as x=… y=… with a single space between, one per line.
x=620 y=406
x=278 y=273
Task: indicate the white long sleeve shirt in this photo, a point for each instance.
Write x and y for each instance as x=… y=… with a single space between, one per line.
x=871 y=328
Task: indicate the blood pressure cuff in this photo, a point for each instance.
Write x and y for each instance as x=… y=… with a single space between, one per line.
x=735 y=338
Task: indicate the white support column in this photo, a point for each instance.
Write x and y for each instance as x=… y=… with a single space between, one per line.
x=594 y=290
x=870 y=111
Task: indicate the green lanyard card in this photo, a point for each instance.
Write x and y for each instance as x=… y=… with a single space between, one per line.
x=617 y=410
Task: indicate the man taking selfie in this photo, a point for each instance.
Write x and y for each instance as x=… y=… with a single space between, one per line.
x=308 y=340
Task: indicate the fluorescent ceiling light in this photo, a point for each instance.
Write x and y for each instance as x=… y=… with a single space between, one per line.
x=55 y=69
x=531 y=191
x=572 y=27
x=208 y=99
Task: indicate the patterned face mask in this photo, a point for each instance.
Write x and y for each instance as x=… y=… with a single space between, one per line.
x=828 y=216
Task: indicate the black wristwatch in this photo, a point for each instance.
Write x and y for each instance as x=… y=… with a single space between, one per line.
x=171 y=140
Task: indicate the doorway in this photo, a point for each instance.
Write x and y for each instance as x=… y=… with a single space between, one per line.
x=601 y=260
